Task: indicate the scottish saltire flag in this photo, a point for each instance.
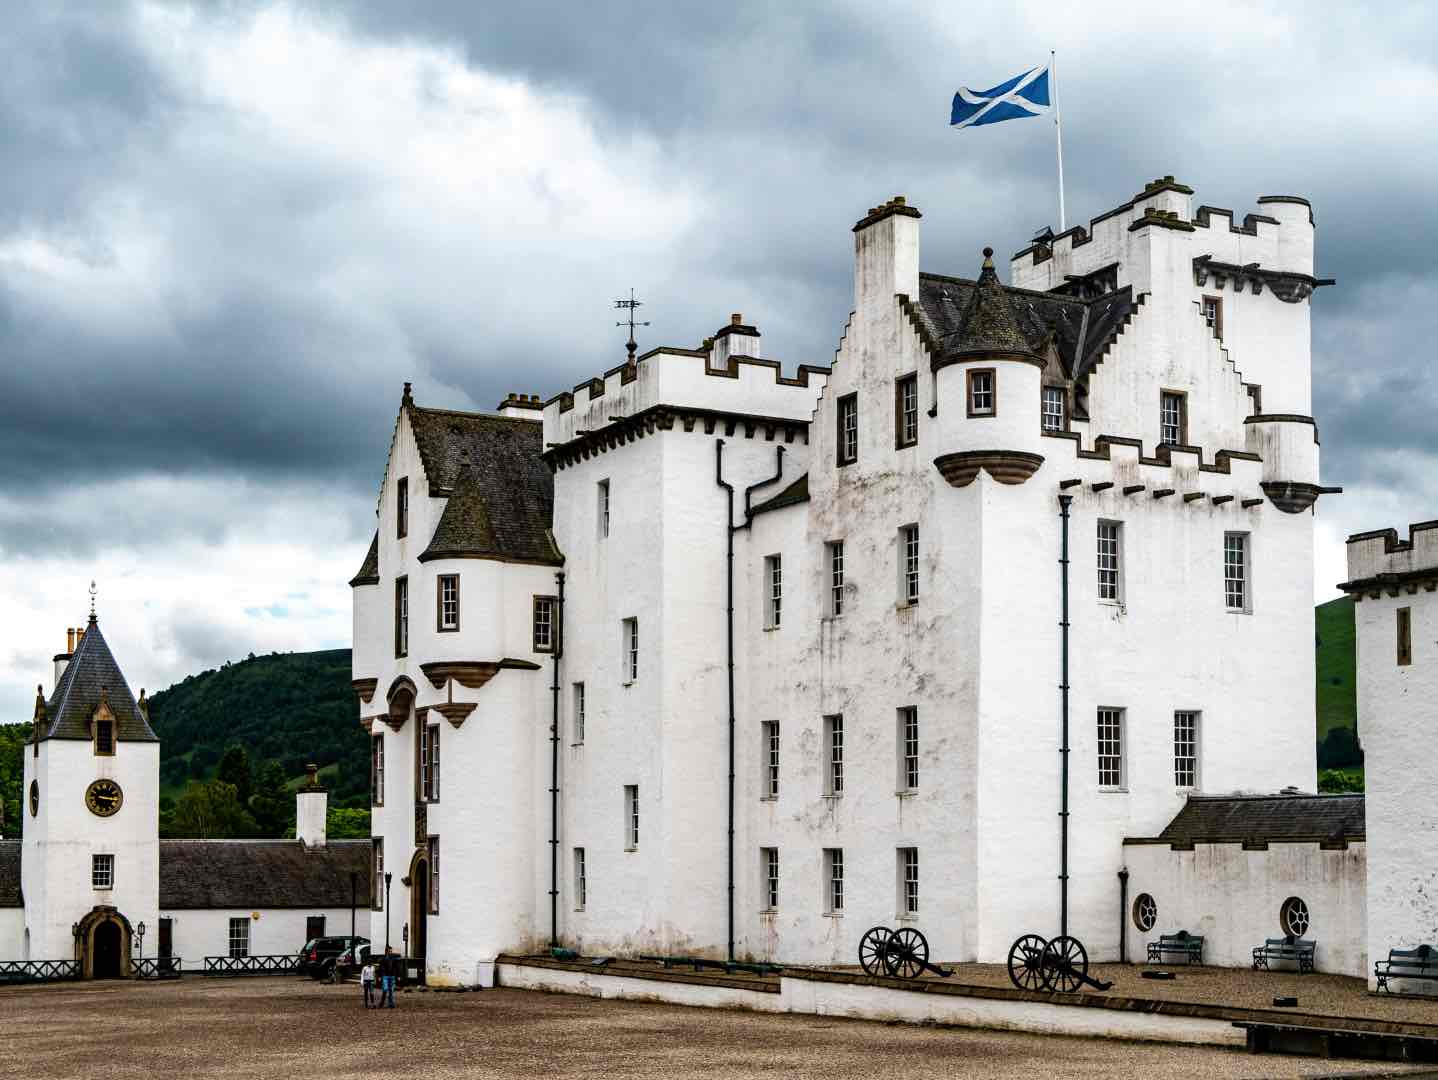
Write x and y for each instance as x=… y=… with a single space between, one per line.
x=1023 y=95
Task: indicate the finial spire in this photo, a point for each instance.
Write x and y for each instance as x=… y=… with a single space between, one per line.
x=92 y=601
x=630 y=306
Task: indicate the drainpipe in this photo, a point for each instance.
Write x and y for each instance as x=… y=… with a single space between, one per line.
x=1123 y=915
x=1064 y=501
x=729 y=531
x=729 y=660
x=554 y=764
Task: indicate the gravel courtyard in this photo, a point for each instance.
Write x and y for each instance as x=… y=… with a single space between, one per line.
x=287 y=1028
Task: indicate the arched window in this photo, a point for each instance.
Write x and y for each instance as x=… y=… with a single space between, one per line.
x=1293 y=916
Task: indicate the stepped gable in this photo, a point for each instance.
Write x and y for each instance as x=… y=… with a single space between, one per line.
x=10 y=874
x=92 y=671
x=1266 y=819
x=248 y=874
x=369 y=569
x=1080 y=330
x=500 y=491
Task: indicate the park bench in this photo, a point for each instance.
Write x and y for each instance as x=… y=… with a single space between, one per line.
x=1297 y=949
x=1189 y=946
x=1419 y=963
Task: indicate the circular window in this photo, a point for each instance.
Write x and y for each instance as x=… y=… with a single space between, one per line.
x=1293 y=916
x=1145 y=912
x=34 y=797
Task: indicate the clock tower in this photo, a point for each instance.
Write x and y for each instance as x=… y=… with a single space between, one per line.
x=90 y=850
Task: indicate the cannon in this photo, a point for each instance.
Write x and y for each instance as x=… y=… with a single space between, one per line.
x=1059 y=965
x=901 y=953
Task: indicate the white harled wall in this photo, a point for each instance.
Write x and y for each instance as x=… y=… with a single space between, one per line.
x=1397 y=722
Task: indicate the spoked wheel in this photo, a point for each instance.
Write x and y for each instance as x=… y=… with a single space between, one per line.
x=873 y=947
x=907 y=953
x=1026 y=962
x=1064 y=958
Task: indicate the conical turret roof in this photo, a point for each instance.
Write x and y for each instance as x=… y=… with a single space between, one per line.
x=91 y=674
x=988 y=324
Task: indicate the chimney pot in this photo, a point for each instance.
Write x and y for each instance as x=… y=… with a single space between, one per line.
x=736 y=319
x=899 y=200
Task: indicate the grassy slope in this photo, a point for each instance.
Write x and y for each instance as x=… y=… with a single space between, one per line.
x=1336 y=666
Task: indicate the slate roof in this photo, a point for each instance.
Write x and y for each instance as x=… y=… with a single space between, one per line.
x=500 y=492
x=92 y=670
x=10 y=874
x=1266 y=819
x=256 y=874
x=369 y=569
x=797 y=492
x=965 y=316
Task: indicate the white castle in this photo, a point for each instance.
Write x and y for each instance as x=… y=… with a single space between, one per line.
x=703 y=659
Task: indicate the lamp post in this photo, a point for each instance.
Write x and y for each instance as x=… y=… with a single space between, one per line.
x=140 y=936
x=388 y=879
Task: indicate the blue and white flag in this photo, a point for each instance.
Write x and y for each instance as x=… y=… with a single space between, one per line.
x=1023 y=95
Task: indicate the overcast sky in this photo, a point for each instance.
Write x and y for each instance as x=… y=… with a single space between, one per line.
x=229 y=233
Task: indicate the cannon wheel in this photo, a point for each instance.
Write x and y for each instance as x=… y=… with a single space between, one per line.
x=1026 y=962
x=873 y=948
x=907 y=954
x=1063 y=957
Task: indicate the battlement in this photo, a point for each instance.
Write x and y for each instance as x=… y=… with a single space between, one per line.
x=717 y=378
x=1379 y=560
x=1278 y=239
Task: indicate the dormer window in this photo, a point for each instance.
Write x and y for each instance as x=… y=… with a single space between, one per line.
x=104 y=737
x=1053 y=408
x=402 y=509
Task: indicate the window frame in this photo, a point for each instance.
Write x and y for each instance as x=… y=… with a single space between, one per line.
x=401 y=508
x=376 y=769
x=102 y=871
x=1187 y=765
x=834 y=756
x=439 y=601
x=1180 y=398
x=1215 y=323
x=544 y=631
x=833 y=863
x=971 y=392
x=834 y=561
x=908 y=906
x=1117 y=556
x=846 y=407
x=907 y=736
x=1245 y=577
x=1403 y=626
x=580 y=880
x=238 y=922
x=577 y=713
x=773 y=591
x=1063 y=414
x=769 y=749
x=602 y=513
x=428 y=759
x=630 y=655
x=906 y=420
x=431 y=851
x=910 y=563
x=631 y=817
x=1112 y=767
x=103 y=746
x=401 y=616
x=769 y=880
x=376 y=873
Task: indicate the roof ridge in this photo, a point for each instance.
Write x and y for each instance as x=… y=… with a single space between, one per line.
x=476 y=415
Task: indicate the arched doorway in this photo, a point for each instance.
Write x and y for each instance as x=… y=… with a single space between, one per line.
x=103 y=937
x=106 y=943
x=419 y=907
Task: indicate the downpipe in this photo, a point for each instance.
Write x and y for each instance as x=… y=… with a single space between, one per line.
x=554 y=763
x=1064 y=503
x=1123 y=915
x=729 y=530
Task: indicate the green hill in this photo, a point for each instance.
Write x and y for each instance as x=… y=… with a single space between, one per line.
x=1336 y=666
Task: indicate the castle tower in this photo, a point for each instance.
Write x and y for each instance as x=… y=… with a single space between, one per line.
x=90 y=854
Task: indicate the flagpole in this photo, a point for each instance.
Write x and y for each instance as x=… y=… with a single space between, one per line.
x=1058 y=136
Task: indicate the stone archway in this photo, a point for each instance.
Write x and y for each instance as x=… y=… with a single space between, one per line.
x=419 y=905
x=104 y=944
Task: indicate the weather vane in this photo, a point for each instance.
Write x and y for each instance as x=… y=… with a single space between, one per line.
x=92 y=600
x=630 y=305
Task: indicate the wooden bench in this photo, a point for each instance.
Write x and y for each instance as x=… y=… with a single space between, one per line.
x=1293 y=948
x=1189 y=946
x=1419 y=963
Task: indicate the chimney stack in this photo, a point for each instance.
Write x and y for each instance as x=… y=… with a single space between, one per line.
x=62 y=660
x=311 y=810
x=736 y=339
x=886 y=255
x=522 y=406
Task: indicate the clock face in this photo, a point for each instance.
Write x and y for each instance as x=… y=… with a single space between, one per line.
x=34 y=797
x=104 y=797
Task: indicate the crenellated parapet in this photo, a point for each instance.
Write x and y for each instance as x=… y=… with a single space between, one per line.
x=1380 y=563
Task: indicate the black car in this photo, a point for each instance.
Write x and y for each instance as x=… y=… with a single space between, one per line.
x=317 y=958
